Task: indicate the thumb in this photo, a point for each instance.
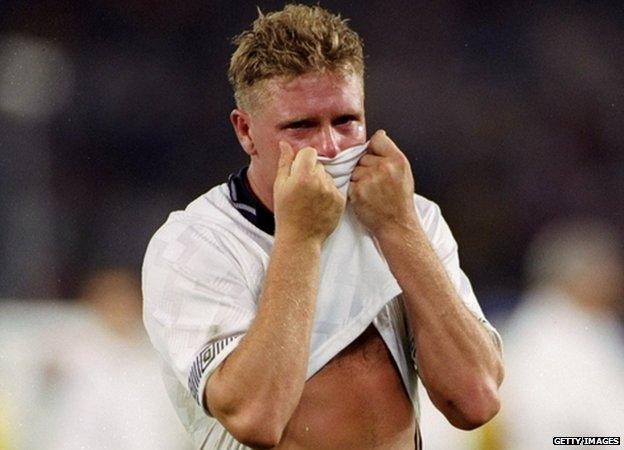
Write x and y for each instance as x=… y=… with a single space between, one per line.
x=378 y=137
x=287 y=155
x=381 y=145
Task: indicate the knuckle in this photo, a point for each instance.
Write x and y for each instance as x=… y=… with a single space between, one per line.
x=386 y=167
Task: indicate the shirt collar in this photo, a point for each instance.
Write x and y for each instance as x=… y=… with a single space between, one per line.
x=246 y=202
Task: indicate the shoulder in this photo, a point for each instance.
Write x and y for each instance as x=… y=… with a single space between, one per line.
x=428 y=210
x=193 y=259
x=203 y=217
x=209 y=237
x=430 y=215
x=197 y=228
x=435 y=226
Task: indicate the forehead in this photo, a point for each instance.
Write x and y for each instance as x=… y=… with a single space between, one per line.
x=313 y=94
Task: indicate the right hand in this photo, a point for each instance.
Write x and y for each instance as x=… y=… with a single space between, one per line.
x=307 y=204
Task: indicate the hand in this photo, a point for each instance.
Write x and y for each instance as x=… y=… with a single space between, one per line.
x=306 y=202
x=381 y=191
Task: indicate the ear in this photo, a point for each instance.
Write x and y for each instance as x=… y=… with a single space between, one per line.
x=240 y=122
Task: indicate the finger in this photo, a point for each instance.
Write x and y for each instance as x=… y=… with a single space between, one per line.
x=369 y=160
x=351 y=191
x=381 y=145
x=287 y=155
x=359 y=173
x=305 y=160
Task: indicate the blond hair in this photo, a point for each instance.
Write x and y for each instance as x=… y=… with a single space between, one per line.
x=294 y=41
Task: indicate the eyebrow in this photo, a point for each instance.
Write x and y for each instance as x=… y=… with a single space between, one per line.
x=314 y=119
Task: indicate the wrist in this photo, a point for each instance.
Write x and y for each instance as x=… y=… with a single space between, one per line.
x=297 y=240
x=400 y=230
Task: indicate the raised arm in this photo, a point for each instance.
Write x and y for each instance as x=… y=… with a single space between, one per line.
x=256 y=389
x=458 y=360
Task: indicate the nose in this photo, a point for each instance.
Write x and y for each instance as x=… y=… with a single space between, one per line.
x=328 y=145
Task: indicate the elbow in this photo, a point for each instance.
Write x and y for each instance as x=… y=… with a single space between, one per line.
x=477 y=407
x=254 y=430
x=477 y=415
x=256 y=426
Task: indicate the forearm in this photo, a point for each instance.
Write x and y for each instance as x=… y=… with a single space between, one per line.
x=265 y=375
x=458 y=360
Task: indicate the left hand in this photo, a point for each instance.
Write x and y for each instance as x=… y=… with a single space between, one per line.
x=381 y=191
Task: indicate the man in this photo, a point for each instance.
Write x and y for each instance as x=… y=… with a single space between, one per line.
x=245 y=299
x=575 y=269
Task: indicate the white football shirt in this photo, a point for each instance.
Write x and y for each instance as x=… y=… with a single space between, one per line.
x=202 y=278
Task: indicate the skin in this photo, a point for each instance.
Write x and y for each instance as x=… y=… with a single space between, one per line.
x=357 y=400
x=325 y=112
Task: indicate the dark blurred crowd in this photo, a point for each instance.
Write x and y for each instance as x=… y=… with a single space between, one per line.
x=113 y=113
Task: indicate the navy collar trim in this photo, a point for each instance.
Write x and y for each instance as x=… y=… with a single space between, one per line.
x=246 y=202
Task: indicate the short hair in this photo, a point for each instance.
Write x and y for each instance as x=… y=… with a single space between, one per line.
x=291 y=42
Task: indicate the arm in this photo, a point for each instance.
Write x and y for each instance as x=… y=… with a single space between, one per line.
x=256 y=390
x=458 y=361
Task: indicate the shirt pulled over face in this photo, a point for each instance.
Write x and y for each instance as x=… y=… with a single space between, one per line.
x=341 y=166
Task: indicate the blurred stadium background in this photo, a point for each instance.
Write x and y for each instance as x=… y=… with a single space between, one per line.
x=114 y=113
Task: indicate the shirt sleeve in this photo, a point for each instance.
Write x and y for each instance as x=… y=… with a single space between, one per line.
x=196 y=303
x=445 y=246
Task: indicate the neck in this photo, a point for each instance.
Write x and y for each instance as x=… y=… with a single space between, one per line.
x=255 y=183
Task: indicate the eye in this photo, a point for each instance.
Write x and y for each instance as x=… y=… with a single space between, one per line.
x=346 y=119
x=300 y=124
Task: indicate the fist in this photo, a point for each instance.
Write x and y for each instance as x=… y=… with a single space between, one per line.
x=381 y=191
x=307 y=204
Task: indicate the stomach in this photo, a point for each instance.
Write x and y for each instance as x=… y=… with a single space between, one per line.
x=356 y=401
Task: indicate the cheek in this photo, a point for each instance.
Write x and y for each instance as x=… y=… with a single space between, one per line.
x=298 y=142
x=269 y=160
x=265 y=164
x=266 y=145
x=263 y=135
x=354 y=135
x=296 y=138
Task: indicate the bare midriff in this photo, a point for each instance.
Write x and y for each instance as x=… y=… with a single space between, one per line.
x=356 y=401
